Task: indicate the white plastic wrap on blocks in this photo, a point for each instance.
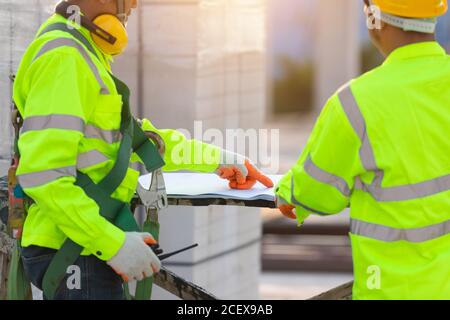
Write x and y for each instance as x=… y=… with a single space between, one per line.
x=209 y=54
x=206 y=60
x=19 y=21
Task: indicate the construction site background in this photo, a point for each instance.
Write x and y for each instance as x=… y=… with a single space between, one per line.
x=231 y=64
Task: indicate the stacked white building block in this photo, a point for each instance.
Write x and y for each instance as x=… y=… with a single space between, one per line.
x=204 y=60
x=19 y=21
x=336 y=43
x=187 y=60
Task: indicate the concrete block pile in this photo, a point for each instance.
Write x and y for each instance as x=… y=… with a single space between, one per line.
x=204 y=60
x=196 y=60
x=19 y=21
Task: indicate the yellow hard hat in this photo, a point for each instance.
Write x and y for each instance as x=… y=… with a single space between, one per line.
x=413 y=8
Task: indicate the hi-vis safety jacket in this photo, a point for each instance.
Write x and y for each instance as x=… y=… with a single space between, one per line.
x=72 y=115
x=382 y=145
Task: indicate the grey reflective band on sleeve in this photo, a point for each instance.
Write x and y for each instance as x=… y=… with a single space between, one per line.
x=69 y=122
x=358 y=123
x=322 y=176
x=356 y=119
x=90 y=158
x=110 y=136
x=36 y=179
x=387 y=194
x=135 y=165
x=298 y=203
x=67 y=42
x=411 y=191
x=53 y=121
x=389 y=234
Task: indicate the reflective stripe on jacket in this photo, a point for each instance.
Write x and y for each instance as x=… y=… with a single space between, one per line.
x=72 y=114
x=381 y=145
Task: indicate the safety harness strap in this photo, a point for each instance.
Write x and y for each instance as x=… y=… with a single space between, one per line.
x=115 y=177
x=115 y=211
x=145 y=149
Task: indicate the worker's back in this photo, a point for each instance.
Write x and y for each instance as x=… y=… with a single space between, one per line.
x=400 y=206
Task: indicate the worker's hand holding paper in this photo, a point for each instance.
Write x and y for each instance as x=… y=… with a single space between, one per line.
x=240 y=172
x=240 y=181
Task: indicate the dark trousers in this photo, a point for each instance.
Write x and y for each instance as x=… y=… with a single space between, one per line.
x=88 y=279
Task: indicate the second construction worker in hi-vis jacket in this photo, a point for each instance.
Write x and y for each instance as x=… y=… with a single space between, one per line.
x=382 y=146
x=75 y=127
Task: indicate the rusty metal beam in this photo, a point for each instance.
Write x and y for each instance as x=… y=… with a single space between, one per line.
x=343 y=292
x=181 y=288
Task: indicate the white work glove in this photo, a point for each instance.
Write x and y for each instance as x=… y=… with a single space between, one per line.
x=240 y=172
x=135 y=260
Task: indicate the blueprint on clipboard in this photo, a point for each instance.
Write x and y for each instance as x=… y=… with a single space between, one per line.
x=203 y=185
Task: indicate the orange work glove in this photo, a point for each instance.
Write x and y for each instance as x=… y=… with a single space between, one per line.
x=240 y=172
x=285 y=208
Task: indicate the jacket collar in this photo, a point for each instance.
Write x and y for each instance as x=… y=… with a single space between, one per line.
x=416 y=50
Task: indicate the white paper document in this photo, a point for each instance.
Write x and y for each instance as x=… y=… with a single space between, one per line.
x=202 y=185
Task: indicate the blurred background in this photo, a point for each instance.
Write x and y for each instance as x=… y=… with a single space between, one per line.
x=232 y=64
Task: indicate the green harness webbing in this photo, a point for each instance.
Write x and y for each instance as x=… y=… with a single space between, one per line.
x=115 y=211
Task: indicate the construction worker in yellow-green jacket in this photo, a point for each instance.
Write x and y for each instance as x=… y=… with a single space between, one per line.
x=381 y=146
x=76 y=148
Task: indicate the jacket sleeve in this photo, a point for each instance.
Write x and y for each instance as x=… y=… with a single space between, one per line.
x=322 y=180
x=58 y=88
x=185 y=154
